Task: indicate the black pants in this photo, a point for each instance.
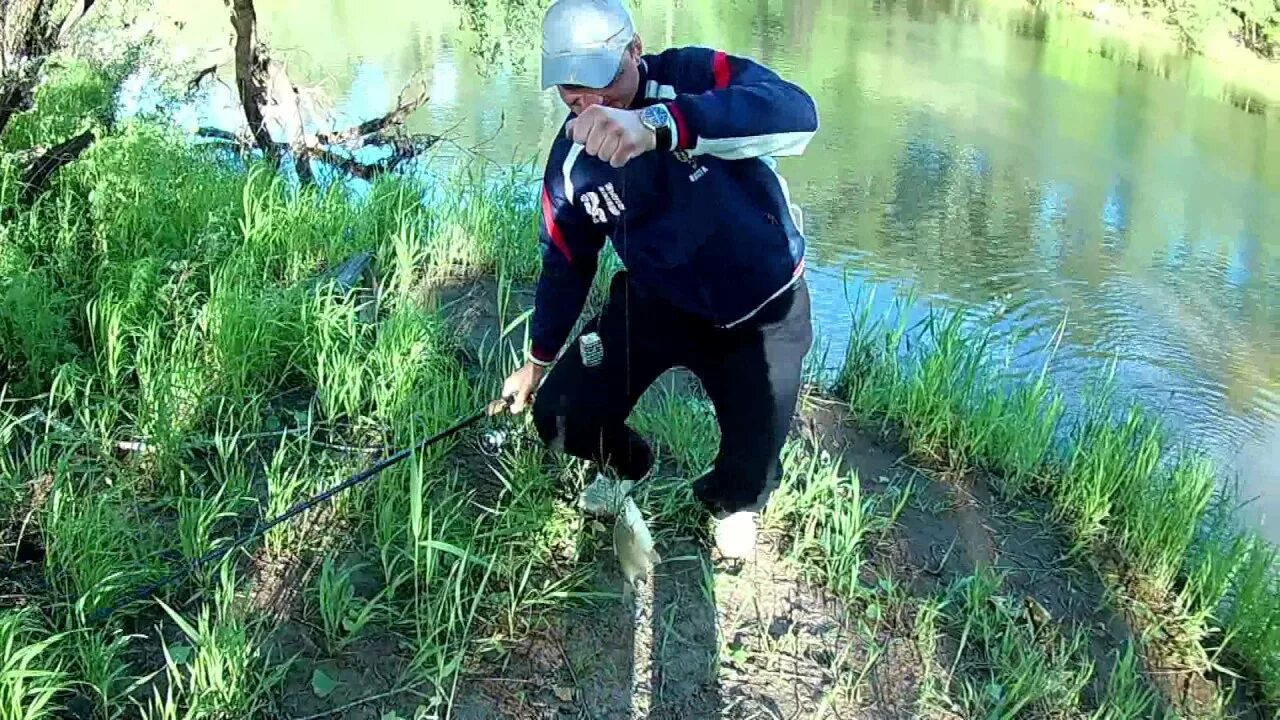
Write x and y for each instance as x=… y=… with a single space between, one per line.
x=751 y=372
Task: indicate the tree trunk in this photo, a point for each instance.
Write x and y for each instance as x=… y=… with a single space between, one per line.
x=27 y=36
x=251 y=72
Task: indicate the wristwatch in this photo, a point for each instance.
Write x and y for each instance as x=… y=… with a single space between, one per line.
x=658 y=119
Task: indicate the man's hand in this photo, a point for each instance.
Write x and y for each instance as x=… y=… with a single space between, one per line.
x=611 y=134
x=522 y=385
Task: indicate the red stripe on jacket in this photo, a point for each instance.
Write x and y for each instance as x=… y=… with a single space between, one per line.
x=549 y=221
x=720 y=67
x=684 y=140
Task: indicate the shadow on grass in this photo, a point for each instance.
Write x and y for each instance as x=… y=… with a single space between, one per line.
x=649 y=653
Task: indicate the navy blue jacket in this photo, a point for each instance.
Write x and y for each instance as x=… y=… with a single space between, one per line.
x=708 y=226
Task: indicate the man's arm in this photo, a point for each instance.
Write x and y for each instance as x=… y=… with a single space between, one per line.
x=570 y=244
x=740 y=109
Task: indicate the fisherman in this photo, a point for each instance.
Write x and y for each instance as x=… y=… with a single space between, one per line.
x=670 y=157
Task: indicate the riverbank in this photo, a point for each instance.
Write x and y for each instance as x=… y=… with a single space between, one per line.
x=173 y=374
x=1248 y=61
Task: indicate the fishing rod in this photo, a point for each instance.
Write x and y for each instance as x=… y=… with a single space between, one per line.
x=214 y=556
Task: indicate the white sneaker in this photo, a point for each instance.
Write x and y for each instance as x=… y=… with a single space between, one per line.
x=735 y=534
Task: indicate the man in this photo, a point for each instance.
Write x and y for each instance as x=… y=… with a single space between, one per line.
x=669 y=157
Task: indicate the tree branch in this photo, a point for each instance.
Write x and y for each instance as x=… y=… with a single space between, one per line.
x=402 y=150
x=358 y=136
x=194 y=84
x=364 y=171
x=266 y=91
x=72 y=19
x=214 y=133
x=37 y=176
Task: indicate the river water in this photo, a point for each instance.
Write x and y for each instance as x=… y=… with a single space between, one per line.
x=1021 y=168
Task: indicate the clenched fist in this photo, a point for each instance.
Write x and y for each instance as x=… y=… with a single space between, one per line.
x=611 y=134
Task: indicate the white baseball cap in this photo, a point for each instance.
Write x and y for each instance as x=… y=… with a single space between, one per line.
x=583 y=42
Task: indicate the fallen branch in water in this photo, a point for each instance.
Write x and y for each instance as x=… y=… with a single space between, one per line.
x=214 y=133
x=267 y=95
x=357 y=137
x=364 y=171
x=244 y=143
x=403 y=149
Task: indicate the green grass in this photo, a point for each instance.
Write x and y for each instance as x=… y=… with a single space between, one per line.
x=828 y=523
x=1009 y=668
x=1155 y=511
x=29 y=682
x=216 y=666
x=76 y=97
x=998 y=662
x=163 y=297
x=1127 y=694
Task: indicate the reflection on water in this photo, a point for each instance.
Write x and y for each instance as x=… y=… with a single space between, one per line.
x=493 y=29
x=1021 y=168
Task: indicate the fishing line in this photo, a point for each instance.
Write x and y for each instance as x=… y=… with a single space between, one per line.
x=626 y=307
x=626 y=287
x=302 y=507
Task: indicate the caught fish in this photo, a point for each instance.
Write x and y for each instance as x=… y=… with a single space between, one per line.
x=633 y=544
x=605 y=496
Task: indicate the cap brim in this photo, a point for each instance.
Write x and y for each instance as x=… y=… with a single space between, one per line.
x=593 y=70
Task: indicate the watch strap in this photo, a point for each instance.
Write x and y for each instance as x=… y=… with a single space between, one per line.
x=661 y=128
x=663 y=133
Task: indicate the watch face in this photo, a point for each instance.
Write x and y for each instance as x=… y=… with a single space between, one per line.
x=654 y=116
